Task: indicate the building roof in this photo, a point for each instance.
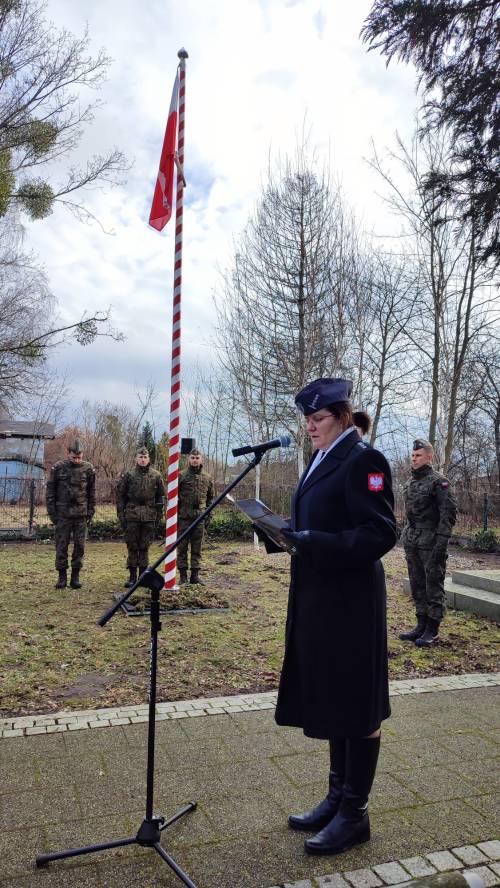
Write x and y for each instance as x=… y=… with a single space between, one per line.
x=14 y=428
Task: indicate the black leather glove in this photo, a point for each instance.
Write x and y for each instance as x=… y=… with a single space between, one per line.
x=298 y=540
x=270 y=545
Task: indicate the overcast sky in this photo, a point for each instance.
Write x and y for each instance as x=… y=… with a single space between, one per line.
x=256 y=70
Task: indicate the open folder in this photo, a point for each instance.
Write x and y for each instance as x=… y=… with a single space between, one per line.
x=268 y=523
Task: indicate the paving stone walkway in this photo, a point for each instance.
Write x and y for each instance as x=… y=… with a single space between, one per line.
x=65 y=781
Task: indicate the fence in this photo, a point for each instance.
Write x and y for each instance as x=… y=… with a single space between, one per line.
x=22 y=504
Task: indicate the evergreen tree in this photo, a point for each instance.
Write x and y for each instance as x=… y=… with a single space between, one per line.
x=455 y=48
x=162 y=449
x=147 y=440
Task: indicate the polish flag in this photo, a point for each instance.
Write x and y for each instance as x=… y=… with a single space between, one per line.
x=161 y=208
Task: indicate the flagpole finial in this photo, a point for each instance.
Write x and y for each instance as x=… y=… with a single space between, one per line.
x=183 y=54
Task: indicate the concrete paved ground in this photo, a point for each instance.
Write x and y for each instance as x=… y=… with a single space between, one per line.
x=437 y=787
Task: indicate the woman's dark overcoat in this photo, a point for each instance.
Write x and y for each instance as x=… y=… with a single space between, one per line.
x=334 y=680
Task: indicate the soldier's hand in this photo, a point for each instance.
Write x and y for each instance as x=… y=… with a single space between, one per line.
x=298 y=540
x=440 y=546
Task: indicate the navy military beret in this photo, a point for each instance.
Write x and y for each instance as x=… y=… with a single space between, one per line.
x=422 y=444
x=321 y=393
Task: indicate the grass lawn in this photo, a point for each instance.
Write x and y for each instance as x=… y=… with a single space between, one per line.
x=55 y=657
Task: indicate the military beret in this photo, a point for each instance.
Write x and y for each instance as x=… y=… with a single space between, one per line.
x=195 y=452
x=422 y=444
x=322 y=393
x=142 y=451
x=75 y=446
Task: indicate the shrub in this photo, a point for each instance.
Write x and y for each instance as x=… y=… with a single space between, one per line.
x=108 y=529
x=230 y=525
x=44 y=532
x=485 y=541
x=227 y=524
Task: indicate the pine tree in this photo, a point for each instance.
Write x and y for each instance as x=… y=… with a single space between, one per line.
x=454 y=46
x=147 y=440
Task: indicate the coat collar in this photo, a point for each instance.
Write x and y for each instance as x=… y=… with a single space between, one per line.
x=329 y=463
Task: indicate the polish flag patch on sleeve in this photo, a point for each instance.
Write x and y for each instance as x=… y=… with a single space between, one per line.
x=376 y=481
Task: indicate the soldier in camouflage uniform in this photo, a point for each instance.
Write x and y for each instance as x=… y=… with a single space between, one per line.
x=139 y=504
x=70 y=499
x=430 y=515
x=196 y=492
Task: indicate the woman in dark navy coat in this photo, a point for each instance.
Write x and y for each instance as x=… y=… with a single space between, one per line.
x=334 y=681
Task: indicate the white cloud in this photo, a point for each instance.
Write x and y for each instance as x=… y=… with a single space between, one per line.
x=256 y=70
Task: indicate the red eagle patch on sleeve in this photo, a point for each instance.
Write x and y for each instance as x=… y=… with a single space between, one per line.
x=376 y=481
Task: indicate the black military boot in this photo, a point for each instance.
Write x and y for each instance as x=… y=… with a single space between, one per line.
x=415 y=633
x=430 y=635
x=319 y=816
x=132 y=577
x=63 y=579
x=195 y=578
x=183 y=576
x=75 y=578
x=351 y=824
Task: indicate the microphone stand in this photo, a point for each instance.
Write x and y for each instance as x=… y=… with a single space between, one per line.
x=149 y=833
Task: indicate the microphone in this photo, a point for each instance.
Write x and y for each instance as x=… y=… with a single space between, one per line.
x=284 y=441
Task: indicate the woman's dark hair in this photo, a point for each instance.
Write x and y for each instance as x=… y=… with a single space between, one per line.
x=342 y=411
x=362 y=421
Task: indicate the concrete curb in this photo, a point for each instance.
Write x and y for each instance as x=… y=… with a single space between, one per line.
x=59 y=722
x=482 y=860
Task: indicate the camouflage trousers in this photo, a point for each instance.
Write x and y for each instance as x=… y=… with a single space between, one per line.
x=65 y=528
x=195 y=541
x=427 y=573
x=138 y=536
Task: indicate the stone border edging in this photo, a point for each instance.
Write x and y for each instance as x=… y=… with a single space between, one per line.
x=482 y=860
x=59 y=722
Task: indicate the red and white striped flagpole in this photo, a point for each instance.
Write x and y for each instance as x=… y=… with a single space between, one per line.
x=175 y=384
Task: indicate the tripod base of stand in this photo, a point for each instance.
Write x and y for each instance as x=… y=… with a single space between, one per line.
x=148 y=836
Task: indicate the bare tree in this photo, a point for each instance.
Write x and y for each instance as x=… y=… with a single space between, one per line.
x=29 y=327
x=43 y=73
x=282 y=310
x=383 y=319
x=480 y=404
x=210 y=415
x=456 y=303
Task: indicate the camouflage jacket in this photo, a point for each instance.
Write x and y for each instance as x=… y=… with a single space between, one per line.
x=139 y=495
x=430 y=506
x=196 y=492
x=70 y=491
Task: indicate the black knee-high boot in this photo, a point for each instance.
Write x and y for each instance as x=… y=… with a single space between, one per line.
x=351 y=824
x=319 y=816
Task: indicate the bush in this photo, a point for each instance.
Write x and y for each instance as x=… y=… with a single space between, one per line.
x=230 y=525
x=108 y=529
x=44 y=532
x=485 y=541
x=226 y=524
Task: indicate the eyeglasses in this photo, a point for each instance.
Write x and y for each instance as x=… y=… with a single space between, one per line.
x=316 y=420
